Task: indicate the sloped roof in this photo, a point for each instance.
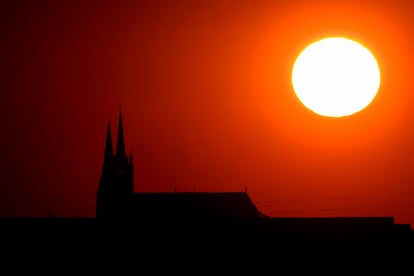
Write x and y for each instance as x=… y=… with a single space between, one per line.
x=195 y=204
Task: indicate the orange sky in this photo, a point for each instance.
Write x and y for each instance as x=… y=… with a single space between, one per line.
x=208 y=104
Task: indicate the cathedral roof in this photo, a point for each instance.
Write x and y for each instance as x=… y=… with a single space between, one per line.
x=196 y=204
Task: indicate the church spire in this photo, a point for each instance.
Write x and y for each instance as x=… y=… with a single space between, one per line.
x=120 y=145
x=116 y=185
x=109 y=153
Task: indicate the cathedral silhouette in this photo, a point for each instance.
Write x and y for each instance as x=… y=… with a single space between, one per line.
x=224 y=216
x=116 y=198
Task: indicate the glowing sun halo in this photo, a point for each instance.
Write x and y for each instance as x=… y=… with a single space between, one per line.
x=336 y=77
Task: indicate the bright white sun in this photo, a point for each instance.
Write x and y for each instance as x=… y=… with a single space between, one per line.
x=336 y=77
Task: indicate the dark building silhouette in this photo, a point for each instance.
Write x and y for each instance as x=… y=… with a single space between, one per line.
x=116 y=198
x=224 y=216
x=162 y=226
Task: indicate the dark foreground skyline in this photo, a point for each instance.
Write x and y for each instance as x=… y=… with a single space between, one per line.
x=200 y=218
x=368 y=233
x=195 y=221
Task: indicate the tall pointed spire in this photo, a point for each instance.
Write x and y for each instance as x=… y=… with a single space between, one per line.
x=116 y=185
x=109 y=153
x=120 y=145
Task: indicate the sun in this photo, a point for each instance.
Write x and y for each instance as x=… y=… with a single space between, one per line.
x=336 y=77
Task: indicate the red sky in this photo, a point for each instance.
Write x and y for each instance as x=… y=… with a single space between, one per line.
x=207 y=102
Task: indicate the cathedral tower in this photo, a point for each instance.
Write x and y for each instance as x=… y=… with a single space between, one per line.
x=116 y=185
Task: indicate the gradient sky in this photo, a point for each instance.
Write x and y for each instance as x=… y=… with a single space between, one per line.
x=207 y=101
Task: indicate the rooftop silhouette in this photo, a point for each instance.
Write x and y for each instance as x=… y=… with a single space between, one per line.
x=225 y=215
x=195 y=220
